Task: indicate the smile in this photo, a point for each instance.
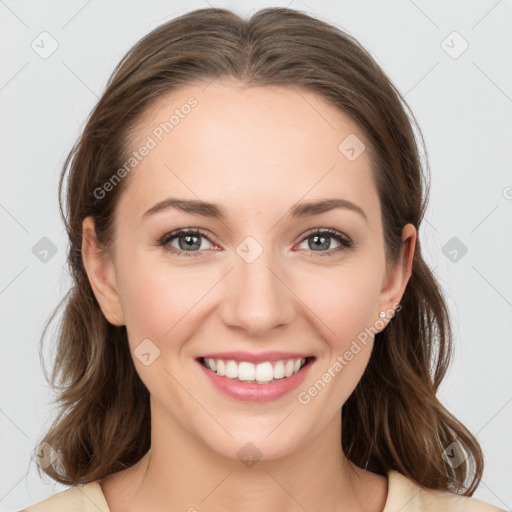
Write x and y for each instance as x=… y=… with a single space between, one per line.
x=261 y=373
x=258 y=381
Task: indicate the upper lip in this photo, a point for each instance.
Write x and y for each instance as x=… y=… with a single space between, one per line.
x=255 y=358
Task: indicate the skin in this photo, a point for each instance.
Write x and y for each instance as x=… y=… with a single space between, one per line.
x=257 y=152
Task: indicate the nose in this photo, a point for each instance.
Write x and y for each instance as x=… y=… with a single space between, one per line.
x=256 y=296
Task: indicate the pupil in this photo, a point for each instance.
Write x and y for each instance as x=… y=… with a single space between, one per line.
x=189 y=242
x=324 y=245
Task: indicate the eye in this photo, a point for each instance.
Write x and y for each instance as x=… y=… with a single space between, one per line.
x=322 y=238
x=189 y=241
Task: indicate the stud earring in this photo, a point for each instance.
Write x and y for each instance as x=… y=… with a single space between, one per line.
x=382 y=314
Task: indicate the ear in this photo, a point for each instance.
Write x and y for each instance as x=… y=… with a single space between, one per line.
x=397 y=276
x=101 y=273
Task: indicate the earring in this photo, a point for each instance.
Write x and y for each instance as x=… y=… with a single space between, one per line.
x=382 y=314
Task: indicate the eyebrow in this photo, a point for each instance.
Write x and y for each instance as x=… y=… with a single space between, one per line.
x=216 y=211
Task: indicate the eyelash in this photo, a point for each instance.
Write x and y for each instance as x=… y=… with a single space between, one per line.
x=345 y=242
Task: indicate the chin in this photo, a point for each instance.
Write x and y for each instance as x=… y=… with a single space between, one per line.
x=265 y=441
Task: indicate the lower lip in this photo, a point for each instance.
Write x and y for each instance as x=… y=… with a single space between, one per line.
x=257 y=392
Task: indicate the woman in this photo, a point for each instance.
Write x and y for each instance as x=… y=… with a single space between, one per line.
x=252 y=325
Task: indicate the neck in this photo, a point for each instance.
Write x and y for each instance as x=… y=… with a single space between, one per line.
x=182 y=473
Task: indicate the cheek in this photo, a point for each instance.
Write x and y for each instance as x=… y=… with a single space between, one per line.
x=147 y=296
x=153 y=304
x=159 y=300
x=343 y=302
x=158 y=305
x=343 y=299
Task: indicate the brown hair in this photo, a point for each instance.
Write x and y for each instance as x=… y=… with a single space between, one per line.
x=393 y=419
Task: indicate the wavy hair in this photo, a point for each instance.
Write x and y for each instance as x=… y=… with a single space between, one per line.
x=393 y=419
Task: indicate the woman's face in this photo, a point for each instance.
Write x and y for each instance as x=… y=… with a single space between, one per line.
x=262 y=281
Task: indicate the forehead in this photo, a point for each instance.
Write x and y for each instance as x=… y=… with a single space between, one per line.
x=247 y=147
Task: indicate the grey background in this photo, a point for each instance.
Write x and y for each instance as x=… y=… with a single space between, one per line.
x=462 y=102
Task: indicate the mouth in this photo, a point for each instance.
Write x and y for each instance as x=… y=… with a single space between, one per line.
x=264 y=372
x=263 y=382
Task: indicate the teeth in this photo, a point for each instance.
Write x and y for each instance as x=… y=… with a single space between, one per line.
x=264 y=372
x=279 y=370
x=231 y=370
x=249 y=372
x=246 y=371
x=288 y=368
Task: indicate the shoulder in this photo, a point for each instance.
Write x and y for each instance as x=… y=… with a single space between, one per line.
x=405 y=495
x=83 y=498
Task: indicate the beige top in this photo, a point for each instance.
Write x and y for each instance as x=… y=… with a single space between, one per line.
x=404 y=495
